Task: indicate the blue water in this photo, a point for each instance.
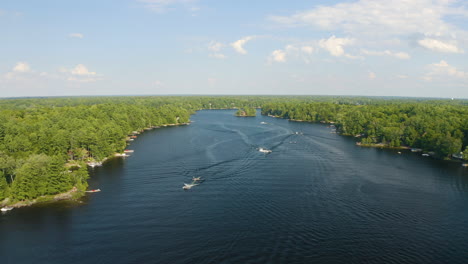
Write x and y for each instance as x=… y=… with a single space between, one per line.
x=317 y=198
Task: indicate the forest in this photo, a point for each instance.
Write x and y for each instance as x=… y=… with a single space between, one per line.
x=439 y=127
x=46 y=143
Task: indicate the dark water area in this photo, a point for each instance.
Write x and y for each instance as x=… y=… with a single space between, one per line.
x=317 y=198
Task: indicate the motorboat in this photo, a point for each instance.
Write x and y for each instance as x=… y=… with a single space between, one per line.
x=188 y=186
x=6 y=209
x=195 y=179
x=264 y=150
x=263 y=123
x=93 y=190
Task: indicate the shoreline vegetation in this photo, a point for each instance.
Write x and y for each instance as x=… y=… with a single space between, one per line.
x=47 y=144
x=462 y=157
x=75 y=193
x=246 y=112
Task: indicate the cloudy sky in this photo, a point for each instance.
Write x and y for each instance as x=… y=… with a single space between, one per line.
x=327 y=47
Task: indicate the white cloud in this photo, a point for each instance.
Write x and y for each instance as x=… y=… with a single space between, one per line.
x=161 y=6
x=239 y=44
x=398 y=55
x=76 y=35
x=216 y=47
x=22 y=67
x=335 y=45
x=377 y=18
x=443 y=70
x=80 y=73
x=18 y=72
x=307 y=49
x=372 y=76
x=294 y=51
x=218 y=56
x=439 y=46
x=278 y=56
x=22 y=72
x=81 y=70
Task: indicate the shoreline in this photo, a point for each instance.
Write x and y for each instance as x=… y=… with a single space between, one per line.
x=379 y=145
x=75 y=194
x=373 y=145
x=72 y=195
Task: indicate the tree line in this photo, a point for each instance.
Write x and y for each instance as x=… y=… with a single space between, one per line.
x=436 y=126
x=46 y=142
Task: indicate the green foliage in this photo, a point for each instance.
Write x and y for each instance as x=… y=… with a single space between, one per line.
x=439 y=126
x=31 y=178
x=3 y=186
x=58 y=179
x=465 y=153
x=38 y=136
x=246 y=111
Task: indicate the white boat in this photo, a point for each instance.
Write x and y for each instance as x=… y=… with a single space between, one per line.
x=264 y=150
x=188 y=186
x=196 y=179
x=6 y=209
x=94 y=190
x=425 y=155
x=263 y=123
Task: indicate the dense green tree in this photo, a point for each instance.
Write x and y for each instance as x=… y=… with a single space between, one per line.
x=3 y=186
x=58 y=180
x=31 y=178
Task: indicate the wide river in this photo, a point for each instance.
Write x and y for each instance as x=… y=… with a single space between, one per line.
x=317 y=198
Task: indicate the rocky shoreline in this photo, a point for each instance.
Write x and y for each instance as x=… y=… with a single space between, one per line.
x=72 y=194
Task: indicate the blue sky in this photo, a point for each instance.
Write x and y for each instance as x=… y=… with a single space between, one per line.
x=120 y=47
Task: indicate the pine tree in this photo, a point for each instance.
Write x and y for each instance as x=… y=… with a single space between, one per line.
x=57 y=179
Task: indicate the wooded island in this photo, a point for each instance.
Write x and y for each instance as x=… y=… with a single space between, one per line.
x=246 y=112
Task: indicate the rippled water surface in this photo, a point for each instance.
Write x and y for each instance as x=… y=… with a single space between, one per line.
x=317 y=198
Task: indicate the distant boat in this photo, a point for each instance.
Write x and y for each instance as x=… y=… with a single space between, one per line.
x=196 y=179
x=6 y=209
x=93 y=191
x=129 y=151
x=263 y=123
x=264 y=150
x=188 y=186
x=425 y=155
